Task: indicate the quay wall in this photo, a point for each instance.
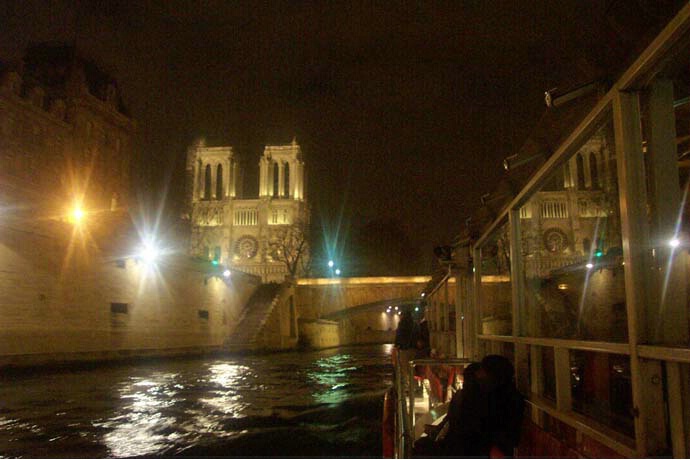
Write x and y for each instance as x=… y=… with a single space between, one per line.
x=64 y=299
x=321 y=333
x=280 y=332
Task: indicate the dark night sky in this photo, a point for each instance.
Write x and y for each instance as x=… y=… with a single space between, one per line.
x=404 y=110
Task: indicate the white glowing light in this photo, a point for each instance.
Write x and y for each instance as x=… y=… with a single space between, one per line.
x=330 y=264
x=589 y=265
x=77 y=214
x=226 y=273
x=423 y=294
x=337 y=271
x=416 y=308
x=149 y=253
x=674 y=242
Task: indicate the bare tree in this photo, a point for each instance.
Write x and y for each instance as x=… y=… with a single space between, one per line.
x=290 y=245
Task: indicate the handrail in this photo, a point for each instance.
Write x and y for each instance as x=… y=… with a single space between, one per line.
x=401 y=416
x=405 y=402
x=430 y=362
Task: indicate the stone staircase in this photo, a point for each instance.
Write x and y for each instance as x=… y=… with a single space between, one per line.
x=257 y=311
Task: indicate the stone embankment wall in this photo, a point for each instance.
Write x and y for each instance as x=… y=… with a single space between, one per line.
x=64 y=298
x=321 y=333
x=316 y=298
x=280 y=332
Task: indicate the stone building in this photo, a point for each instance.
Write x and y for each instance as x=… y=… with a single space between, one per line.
x=264 y=236
x=67 y=138
x=74 y=284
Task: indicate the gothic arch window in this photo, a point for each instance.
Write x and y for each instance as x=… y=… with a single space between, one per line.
x=219 y=182
x=593 y=170
x=286 y=180
x=580 y=172
x=586 y=245
x=276 y=173
x=207 y=183
x=567 y=179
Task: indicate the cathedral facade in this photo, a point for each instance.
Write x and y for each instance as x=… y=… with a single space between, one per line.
x=264 y=236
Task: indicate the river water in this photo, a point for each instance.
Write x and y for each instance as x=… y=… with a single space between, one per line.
x=298 y=404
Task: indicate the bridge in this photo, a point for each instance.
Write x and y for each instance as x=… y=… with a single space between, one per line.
x=355 y=310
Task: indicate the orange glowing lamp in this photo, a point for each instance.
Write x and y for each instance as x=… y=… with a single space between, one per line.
x=77 y=215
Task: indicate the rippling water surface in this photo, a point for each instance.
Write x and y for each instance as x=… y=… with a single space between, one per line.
x=298 y=404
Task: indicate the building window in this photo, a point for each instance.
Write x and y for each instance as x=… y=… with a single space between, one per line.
x=207 y=183
x=594 y=171
x=119 y=307
x=286 y=180
x=276 y=181
x=203 y=314
x=219 y=183
x=274 y=216
x=580 y=172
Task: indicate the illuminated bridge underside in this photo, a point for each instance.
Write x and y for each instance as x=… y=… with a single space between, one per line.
x=337 y=298
x=378 y=306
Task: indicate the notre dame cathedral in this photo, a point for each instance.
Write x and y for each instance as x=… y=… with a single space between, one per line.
x=264 y=236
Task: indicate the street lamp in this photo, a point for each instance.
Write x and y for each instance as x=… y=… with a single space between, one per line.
x=337 y=272
x=330 y=264
x=149 y=253
x=77 y=214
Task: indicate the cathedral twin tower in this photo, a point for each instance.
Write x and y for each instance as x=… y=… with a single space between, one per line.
x=243 y=233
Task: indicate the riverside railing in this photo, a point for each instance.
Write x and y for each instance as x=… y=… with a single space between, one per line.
x=407 y=409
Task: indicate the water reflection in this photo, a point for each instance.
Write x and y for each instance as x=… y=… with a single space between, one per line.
x=136 y=427
x=169 y=407
x=231 y=378
x=331 y=378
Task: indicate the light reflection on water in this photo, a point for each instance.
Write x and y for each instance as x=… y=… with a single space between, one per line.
x=135 y=428
x=164 y=407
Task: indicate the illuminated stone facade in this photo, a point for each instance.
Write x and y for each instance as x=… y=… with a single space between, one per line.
x=65 y=134
x=560 y=221
x=243 y=233
x=74 y=290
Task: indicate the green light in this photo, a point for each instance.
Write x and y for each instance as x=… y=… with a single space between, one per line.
x=599 y=253
x=214 y=262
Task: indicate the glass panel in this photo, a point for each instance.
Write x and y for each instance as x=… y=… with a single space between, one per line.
x=548 y=373
x=666 y=149
x=495 y=289
x=601 y=388
x=508 y=350
x=571 y=249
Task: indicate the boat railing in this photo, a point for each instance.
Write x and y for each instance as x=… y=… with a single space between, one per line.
x=429 y=404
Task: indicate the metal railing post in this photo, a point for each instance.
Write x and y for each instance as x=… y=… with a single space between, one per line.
x=410 y=428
